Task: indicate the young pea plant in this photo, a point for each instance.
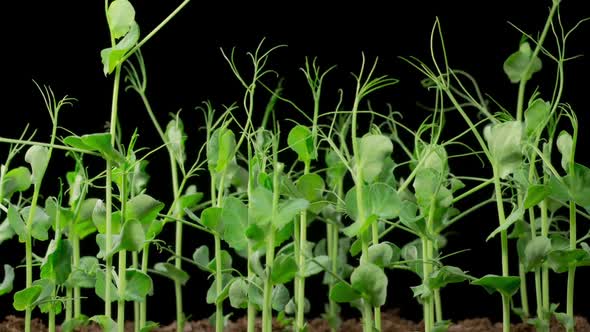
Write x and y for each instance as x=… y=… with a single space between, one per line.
x=504 y=146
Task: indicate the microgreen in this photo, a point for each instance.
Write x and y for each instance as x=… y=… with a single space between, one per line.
x=361 y=172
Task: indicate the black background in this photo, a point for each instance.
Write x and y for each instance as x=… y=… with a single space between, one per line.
x=185 y=67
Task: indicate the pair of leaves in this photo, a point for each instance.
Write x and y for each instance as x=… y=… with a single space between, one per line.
x=39 y=294
x=221 y=150
x=368 y=281
x=380 y=201
x=121 y=19
x=58 y=263
x=300 y=140
x=374 y=150
x=383 y=254
x=16 y=180
x=99 y=142
x=517 y=63
x=505 y=145
x=139 y=285
x=40 y=222
x=84 y=275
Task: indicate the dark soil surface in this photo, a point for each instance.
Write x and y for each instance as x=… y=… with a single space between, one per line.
x=391 y=322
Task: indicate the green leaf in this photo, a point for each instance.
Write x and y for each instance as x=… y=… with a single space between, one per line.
x=507 y=286
x=358 y=227
x=106 y=323
x=226 y=261
x=40 y=223
x=564 y=145
x=16 y=222
x=58 y=215
x=560 y=260
x=536 y=116
x=383 y=201
x=301 y=141
x=111 y=57
x=535 y=194
x=189 y=201
x=380 y=254
x=16 y=180
x=143 y=208
x=336 y=169
x=45 y=300
x=211 y=218
x=38 y=158
x=100 y=288
x=170 y=271
x=132 y=237
x=288 y=210
x=176 y=137
x=238 y=294
x=234 y=217
x=311 y=186
x=514 y=216
x=316 y=265
x=516 y=64
x=342 y=292
x=84 y=276
x=504 y=141
x=201 y=257
x=536 y=251
x=99 y=142
x=260 y=206
x=578 y=185
x=374 y=149
x=7 y=282
x=121 y=16
x=6 y=231
x=139 y=285
x=284 y=269
x=58 y=264
x=221 y=149
x=370 y=280
x=446 y=275
x=434 y=156
x=71 y=325
x=565 y=320
x=83 y=224
x=279 y=297
x=212 y=296
x=25 y=298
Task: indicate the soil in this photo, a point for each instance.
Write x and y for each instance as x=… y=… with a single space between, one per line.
x=391 y=322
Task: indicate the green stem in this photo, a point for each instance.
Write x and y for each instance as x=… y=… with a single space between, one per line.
x=524 y=298
x=270 y=246
x=504 y=247
x=135 y=265
x=122 y=288
x=144 y=269
x=571 y=272
x=251 y=306
x=438 y=305
x=300 y=279
x=51 y=322
x=544 y=268
x=332 y=243
x=75 y=264
x=218 y=285
x=109 y=193
x=69 y=304
x=177 y=243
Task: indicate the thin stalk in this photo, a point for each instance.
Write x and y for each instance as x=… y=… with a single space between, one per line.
x=332 y=243
x=504 y=247
x=75 y=240
x=122 y=263
x=51 y=322
x=544 y=268
x=218 y=260
x=109 y=193
x=359 y=182
x=69 y=304
x=270 y=246
x=144 y=269
x=300 y=279
x=218 y=285
x=251 y=306
x=438 y=306
x=427 y=246
x=177 y=243
x=375 y=240
x=122 y=286
x=135 y=265
x=524 y=298
x=571 y=272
